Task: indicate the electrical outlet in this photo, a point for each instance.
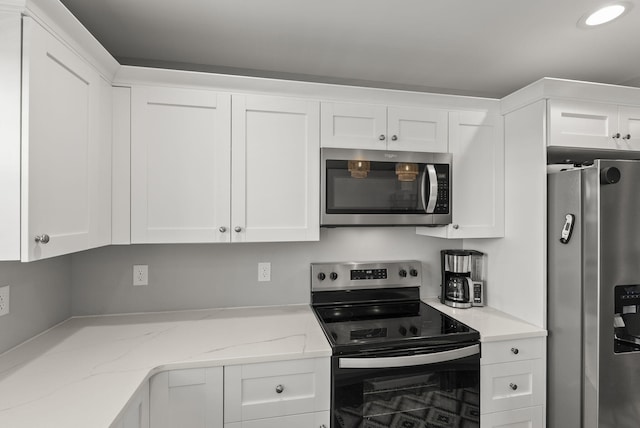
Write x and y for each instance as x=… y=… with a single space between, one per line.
x=4 y=300
x=264 y=272
x=140 y=275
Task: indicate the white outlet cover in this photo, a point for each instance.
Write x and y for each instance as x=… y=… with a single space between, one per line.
x=4 y=300
x=264 y=272
x=140 y=275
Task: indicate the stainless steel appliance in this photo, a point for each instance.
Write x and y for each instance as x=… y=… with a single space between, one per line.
x=594 y=296
x=397 y=362
x=463 y=284
x=383 y=188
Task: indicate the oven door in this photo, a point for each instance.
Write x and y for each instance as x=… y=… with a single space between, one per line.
x=369 y=187
x=428 y=388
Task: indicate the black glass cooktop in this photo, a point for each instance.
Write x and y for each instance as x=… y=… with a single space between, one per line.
x=354 y=327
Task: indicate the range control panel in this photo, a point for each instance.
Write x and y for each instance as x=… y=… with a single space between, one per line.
x=362 y=275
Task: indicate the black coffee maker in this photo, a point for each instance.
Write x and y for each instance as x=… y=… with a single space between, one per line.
x=462 y=278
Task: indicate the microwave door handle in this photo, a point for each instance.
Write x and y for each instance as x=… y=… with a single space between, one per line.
x=430 y=205
x=409 y=360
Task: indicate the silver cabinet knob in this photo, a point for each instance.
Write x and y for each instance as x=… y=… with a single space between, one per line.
x=237 y=229
x=382 y=137
x=394 y=138
x=42 y=239
x=627 y=137
x=515 y=351
x=279 y=389
x=455 y=226
x=616 y=135
x=513 y=386
x=222 y=229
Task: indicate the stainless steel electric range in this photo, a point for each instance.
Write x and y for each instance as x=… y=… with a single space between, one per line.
x=397 y=362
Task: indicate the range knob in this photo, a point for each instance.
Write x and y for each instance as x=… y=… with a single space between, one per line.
x=413 y=272
x=333 y=276
x=402 y=273
x=414 y=330
x=321 y=276
x=402 y=330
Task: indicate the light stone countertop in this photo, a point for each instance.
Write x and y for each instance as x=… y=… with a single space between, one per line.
x=492 y=324
x=81 y=373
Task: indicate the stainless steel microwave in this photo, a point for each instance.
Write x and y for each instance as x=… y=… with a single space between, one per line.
x=384 y=188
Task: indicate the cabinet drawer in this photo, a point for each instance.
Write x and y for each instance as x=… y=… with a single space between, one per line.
x=530 y=417
x=512 y=350
x=268 y=390
x=305 y=420
x=510 y=386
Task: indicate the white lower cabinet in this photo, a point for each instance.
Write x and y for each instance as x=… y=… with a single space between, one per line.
x=136 y=413
x=296 y=392
x=529 y=417
x=315 y=420
x=512 y=383
x=190 y=398
x=281 y=394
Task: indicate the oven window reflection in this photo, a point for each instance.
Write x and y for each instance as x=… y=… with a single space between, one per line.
x=433 y=400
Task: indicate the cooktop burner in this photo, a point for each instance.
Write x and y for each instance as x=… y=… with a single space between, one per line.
x=362 y=306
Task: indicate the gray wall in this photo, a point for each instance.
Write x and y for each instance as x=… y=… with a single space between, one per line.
x=193 y=276
x=40 y=297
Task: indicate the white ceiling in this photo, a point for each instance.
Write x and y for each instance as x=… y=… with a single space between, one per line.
x=471 y=47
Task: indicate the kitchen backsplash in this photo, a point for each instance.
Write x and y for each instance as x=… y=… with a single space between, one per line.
x=193 y=276
x=40 y=297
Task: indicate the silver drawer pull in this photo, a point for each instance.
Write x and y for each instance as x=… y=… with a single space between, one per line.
x=513 y=386
x=279 y=389
x=515 y=351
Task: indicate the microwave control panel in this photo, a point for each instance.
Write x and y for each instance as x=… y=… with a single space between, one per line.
x=442 y=201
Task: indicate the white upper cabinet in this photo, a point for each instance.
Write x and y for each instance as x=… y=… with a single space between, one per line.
x=590 y=125
x=191 y=181
x=476 y=142
x=275 y=169
x=180 y=165
x=368 y=126
x=66 y=149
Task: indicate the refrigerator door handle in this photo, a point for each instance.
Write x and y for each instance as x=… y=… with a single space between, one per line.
x=567 y=229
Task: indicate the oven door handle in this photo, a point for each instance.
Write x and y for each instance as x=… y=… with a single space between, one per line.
x=409 y=360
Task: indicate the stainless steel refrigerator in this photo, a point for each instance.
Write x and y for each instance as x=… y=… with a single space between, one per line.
x=593 y=296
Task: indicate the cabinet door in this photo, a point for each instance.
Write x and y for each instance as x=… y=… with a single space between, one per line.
x=190 y=398
x=529 y=417
x=180 y=165
x=354 y=126
x=629 y=122
x=275 y=164
x=10 y=88
x=583 y=124
x=476 y=142
x=417 y=129
x=136 y=413
x=61 y=153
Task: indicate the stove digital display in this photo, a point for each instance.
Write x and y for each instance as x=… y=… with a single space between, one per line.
x=369 y=333
x=358 y=274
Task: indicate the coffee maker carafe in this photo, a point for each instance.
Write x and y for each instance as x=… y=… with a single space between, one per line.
x=462 y=278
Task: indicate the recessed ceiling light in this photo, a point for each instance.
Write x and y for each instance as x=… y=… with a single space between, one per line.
x=604 y=14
